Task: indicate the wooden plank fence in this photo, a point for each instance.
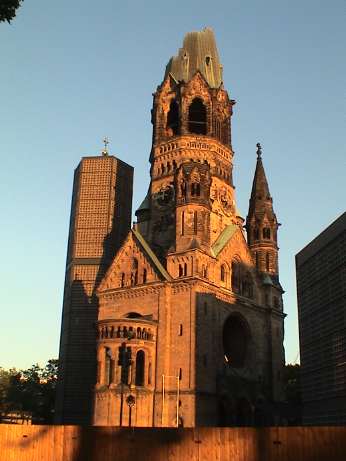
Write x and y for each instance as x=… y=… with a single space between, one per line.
x=76 y=443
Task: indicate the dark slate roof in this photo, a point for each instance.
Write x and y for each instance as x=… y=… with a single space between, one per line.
x=199 y=53
x=224 y=238
x=151 y=255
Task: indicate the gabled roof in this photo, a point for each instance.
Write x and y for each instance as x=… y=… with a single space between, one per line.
x=223 y=239
x=151 y=255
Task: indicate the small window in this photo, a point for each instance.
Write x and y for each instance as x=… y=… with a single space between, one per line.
x=181 y=272
x=267 y=262
x=140 y=362
x=180 y=330
x=149 y=374
x=266 y=233
x=185 y=269
x=223 y=274
x=109 y=366
x=180 y=374
x=207 y=60
x=276 y=302
x=144 y=275
x=235 y=277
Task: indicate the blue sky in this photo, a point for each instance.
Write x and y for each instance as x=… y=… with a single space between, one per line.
x=73 y=72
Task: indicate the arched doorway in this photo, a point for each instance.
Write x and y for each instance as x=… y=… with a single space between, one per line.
x=235 y=341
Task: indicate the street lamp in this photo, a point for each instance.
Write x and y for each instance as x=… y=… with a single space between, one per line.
x=131 y=402
x=124 y=361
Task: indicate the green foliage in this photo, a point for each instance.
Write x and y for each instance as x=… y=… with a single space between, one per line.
x=8 y=9
x=31 y=390
x=292 y=383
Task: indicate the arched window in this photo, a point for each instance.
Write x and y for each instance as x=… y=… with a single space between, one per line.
x=149 y=373
x=235 y=277
x=197 y=117
x=181 y=273
x=173 y=118
x=140 y=363
x=223 y=273
x=185 y=269
x=267 y=262
x=144 y=275
x=109 y=366
x=266 y=233
x=134 y=273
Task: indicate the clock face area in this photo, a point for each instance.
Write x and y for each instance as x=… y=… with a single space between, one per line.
x=165 y=197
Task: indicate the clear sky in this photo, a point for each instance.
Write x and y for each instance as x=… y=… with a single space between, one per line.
x=72 y=72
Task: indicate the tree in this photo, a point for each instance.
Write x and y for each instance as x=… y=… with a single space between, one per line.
x=8 y=9
x=293 y=393
x=31 y=390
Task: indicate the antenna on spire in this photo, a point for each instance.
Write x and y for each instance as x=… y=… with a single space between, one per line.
x=105 y=149
x=259 y=150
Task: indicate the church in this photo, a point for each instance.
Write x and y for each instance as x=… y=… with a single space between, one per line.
x=179 y=319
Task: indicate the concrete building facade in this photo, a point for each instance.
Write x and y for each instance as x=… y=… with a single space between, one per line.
x=100 y=220
x=321 y=290
x=190 y=314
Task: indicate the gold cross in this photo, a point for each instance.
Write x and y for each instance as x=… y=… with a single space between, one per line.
x=105 y=142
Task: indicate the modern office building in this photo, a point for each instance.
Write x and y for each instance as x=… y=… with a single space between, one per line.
x=321 y=289
x=100 y=220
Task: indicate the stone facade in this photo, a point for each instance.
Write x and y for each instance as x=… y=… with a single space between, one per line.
x=190 y=321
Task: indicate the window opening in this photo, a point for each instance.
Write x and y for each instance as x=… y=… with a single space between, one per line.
x=173 y=118
x=267 y=262
x=266 y=233
x=181 y=273
x=223 y=275
x=197 y=117
x=140 y=362
x=109 y=366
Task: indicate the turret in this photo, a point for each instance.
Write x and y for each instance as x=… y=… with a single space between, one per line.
x=261 y=223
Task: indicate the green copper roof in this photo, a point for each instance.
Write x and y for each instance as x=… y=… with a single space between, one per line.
x=199 y=52
x=151 y=255
x=223 y=239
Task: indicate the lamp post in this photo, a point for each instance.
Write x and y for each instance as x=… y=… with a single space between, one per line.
x=131 y=401
x=124 y=361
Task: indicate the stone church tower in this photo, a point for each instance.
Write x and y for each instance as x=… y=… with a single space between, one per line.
x=190 y=325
